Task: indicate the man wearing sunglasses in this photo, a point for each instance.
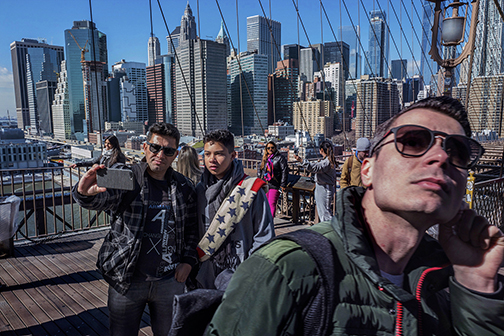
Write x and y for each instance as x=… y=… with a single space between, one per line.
x=390 y=277
x=151 y=247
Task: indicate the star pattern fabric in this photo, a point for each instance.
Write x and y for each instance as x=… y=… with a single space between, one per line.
x=228 y=217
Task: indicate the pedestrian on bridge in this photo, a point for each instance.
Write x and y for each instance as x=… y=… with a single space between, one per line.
x=325 y=178
x=274 y=170
x=111 y=155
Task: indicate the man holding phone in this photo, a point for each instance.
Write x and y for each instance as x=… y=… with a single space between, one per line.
x=151 y=247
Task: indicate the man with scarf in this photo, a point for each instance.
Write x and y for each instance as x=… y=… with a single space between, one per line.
x=243 y=215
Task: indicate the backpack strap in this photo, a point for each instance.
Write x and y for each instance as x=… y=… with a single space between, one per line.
x=317 y=314
x=230 y=213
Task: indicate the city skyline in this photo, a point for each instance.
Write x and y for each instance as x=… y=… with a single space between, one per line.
x=127 y=27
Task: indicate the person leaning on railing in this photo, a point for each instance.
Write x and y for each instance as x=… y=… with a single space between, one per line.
x=111 y=155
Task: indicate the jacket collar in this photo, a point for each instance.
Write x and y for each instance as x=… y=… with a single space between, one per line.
x=349 y=225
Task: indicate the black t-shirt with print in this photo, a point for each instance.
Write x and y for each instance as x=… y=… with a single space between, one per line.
x=158 y=256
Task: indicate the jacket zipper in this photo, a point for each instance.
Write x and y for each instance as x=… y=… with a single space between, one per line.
x=418 y=296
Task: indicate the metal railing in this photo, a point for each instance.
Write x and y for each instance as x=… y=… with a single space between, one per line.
x=47 y=208
x=296 y=203
x=488 y=200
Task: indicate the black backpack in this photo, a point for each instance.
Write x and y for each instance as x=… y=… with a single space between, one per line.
x=193 y=311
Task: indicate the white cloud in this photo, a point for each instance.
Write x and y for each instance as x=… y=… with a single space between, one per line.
x=413 y=67
x=6 y=79
x=7 y=99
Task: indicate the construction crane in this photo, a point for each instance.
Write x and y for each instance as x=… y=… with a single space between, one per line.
x=83 y=50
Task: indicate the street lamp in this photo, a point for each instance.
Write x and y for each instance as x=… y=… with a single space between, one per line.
x=453 y=29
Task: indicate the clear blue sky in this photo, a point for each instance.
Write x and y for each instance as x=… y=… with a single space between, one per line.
x=127 y=25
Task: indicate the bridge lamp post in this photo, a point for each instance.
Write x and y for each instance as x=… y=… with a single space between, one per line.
x=452 y=34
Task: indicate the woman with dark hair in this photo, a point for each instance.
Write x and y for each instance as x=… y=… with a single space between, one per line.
x=275 y=171
x=111 y=155
x=188 y=164
x=325 y=179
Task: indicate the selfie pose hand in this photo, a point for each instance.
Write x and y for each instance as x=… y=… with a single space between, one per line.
x=87 y=184
x=475 y=248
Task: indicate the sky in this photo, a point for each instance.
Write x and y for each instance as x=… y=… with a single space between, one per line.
x=127 y=25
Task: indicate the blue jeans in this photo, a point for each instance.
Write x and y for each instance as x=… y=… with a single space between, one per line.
x=125 y=311
x=323 y=197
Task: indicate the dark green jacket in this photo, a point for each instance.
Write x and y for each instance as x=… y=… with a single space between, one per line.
x=269 y=290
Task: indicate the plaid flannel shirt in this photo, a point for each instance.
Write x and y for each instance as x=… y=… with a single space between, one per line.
x=118 y=255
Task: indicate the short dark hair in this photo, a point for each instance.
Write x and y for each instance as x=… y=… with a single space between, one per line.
x=223 y=136
x=442 y=104
x=164 y=129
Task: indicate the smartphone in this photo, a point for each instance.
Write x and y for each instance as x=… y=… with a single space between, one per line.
x=115 y=178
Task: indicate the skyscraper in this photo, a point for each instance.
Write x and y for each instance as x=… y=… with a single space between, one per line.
x=428 y=67
x=93 y=76
x=337 y=52
x=173 y=40
x=316 y=117
x=32 y=61
x=201 y=104
x=333 y=74
x=255 y=105
x=291 y=51
x=135 y=72
x=283 y=91
x=45 y=96
x=61 y=107
x=310 y=62
x=351 y=36
x=223 y=38
x=377 y=101
x=156 y=93
x=78 y=45
x=399 y=68
x=259 y=38
x=378 y=51
x=488 y=48
x=153 y=49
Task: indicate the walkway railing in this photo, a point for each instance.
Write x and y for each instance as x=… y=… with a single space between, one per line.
x=47 y=207
x=297 y=202
x=488 y=200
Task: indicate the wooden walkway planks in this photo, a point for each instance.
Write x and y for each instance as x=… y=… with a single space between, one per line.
x=55 y=289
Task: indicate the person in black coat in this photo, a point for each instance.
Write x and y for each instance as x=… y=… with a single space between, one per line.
x=111 y=155
x=275 y=171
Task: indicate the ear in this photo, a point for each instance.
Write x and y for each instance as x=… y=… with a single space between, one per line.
x=144 y=147
x=367 y=171
x=233 y=155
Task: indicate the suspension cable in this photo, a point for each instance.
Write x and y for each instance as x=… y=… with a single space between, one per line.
x=193 y=106
x=240 y=67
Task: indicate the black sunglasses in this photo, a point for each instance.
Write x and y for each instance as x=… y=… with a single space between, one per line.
x=413 y=140
x=155 y=148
